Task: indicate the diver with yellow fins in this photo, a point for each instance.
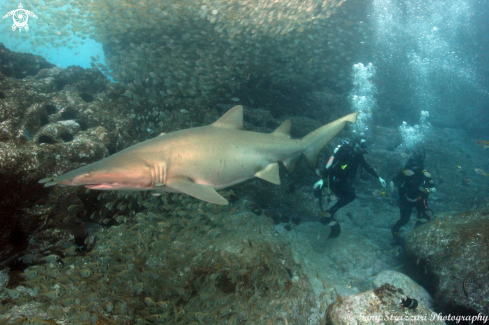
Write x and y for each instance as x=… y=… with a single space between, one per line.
x=337 y=176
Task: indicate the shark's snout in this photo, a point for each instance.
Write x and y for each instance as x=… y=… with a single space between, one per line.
x=103 y=177
x=73 y=178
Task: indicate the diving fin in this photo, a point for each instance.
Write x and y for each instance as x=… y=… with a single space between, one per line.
x=335 y=231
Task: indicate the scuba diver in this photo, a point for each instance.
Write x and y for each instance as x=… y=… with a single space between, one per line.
x=415 y=185
x=336 y=177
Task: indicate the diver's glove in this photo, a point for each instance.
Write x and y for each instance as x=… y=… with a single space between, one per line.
x=432 y=190
x=382 y=182
x=319 y=184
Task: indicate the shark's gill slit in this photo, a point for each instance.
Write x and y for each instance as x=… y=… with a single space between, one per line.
x=162 y=178
x=152 y=171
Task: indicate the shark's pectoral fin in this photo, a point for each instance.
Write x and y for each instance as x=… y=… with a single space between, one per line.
x=202 y=192
x=270 y=174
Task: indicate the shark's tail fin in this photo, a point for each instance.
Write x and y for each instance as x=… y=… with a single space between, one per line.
x=316 y=140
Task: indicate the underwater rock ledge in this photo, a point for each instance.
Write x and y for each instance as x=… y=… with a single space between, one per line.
x=51 y=120
x=379 y=306
x=20 y=65
x=450 y=257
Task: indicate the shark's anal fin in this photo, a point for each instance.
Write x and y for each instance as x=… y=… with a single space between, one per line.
x=290 y=163
x=202 y=192
x=270 y=174
x=283 y=130
x=233 y=119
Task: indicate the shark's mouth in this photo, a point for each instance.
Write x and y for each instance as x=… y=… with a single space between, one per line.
x=103 y=186
x=114 y=186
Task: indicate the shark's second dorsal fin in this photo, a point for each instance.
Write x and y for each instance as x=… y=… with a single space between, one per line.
x=283 y=130
x=233 y=119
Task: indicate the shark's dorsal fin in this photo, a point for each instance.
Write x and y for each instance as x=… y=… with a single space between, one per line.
x=202 y=192
x=233 y=119
x=270 y=174
x=283 y=130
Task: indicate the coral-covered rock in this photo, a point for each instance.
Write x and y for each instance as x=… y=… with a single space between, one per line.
x=450 y=256
x=379 y=306
x=20 y=65
x=408 y=286
x=220 y=258
x=59 y=132
x=51 y=123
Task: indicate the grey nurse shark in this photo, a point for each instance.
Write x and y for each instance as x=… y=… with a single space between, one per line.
x=201 y=160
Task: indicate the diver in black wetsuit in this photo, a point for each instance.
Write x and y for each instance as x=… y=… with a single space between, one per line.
x=415 y=185
x=337 y=175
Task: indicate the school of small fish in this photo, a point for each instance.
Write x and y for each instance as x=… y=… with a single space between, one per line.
x=183 y=54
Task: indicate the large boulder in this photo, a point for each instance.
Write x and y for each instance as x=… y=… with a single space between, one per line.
x=379 y=306
x=400 y=280
x=20 y=65
x=52 y=120
x=450 y=257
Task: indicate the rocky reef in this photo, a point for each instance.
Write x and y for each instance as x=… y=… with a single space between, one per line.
x=185 y=263
x=51 y=121
x=409 y=287
x=450 y=257
x=81 y=256
x=383 y=305
x=21 y=65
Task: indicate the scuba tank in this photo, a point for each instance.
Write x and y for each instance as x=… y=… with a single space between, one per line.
x=338 y=153
x=331 y=159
